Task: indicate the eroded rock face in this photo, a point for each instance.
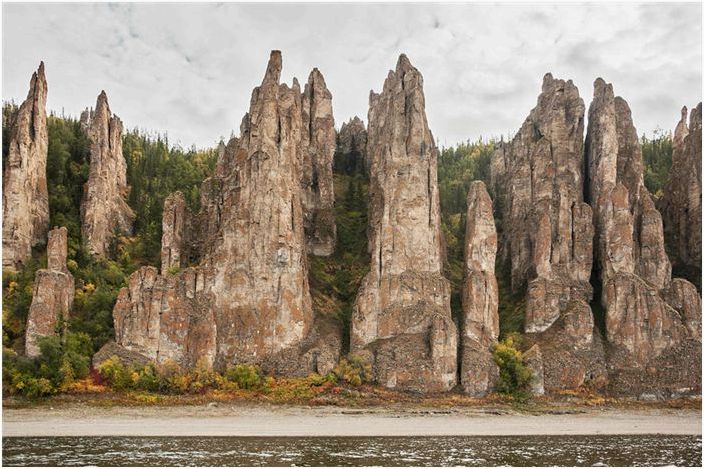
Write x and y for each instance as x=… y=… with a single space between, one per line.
x=176 y=231
x=480 y=296
x=352 y=148
x=547 y=240
x=25 y=197
x=248 y=300
x=318 y=149
x=548 y=237
x=104 y=209
x=682 y=197
x=53 y=293
x=641 y=326
x=401 y=320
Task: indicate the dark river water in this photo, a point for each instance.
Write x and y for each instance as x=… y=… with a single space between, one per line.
x=622 y=450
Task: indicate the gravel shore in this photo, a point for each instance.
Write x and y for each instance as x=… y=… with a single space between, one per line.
x=226 y=420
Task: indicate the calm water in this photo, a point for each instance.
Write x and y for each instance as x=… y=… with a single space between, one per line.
x=651 y=450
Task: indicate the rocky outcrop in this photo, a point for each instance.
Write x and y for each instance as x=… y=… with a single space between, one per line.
x=25 y=196
x=318 y=149
x=401 y=320
x=175 y=233
x=642 y=328
x=682 y=197
x=547 y=238
x=248 y=300
x=351 y=148
x=52 y=298
x=480 y=296
x=104 y=209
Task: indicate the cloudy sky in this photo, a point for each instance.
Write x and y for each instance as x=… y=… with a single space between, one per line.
x=189 y=69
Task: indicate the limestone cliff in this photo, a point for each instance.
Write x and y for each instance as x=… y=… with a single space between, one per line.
x=52 y=298
x=647 y=337
x=317 y=151
x=480 y=295
x=401 y=320
x=681 y=204
x=248 y=300
x=547 y=238
x=176 y=233
x=25 y=198
x=104 y=208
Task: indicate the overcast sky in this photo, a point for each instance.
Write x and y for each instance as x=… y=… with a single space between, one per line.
x=189 y=69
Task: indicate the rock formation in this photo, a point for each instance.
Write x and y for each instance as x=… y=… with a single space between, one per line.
x=547 y=239
x=176 y=232
x=351 y=151
x=681 y=203
x=25 y=197
x=53 y=293
x=104 y=209
x=480 y=295
x=401 y=320
x=318 y=149
x=248 y=300
x=646 y=335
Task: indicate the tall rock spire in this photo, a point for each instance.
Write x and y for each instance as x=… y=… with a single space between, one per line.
x=648 y=325
x=248 y=300
x=402 y=318
x=318 y=149
x=25 y=195
x=681 y=204
x=480 y=295
x=547 y=239
x=104 y=209
x=52 y=297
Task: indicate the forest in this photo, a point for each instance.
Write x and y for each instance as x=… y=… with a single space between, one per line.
x=156 y=168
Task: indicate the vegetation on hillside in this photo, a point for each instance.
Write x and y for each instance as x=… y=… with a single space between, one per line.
x=155 y=169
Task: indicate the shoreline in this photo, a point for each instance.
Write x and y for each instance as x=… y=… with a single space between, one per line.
x=325 y=421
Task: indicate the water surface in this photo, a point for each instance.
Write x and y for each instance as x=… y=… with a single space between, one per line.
x=622 y=450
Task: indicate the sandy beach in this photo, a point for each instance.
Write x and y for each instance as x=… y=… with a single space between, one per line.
x=226 y=420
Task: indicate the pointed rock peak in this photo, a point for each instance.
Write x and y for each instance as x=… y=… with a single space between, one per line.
x=316 y=77
x=102 y=103
x=477 y=191
x=273 y=68
x=547 y=80
x=601 y=88
x=681 y=130
x=404 y=64
x=40 y=71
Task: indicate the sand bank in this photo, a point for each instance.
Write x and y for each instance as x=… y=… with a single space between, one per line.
x=224 y=420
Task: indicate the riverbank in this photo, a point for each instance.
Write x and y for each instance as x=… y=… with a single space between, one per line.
x=233 y=420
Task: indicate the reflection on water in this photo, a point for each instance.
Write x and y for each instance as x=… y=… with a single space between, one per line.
x=623 y=450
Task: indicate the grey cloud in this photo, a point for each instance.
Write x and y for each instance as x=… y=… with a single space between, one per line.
x=189 y=68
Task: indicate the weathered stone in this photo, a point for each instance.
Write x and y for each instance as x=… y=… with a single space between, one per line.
x=166 y=317
x=52 y=298
x=547 y=236
x=681 y=202
x=643 y=331
x=104 y=208
x=538 y=177
x=401 y=318
x=25 y=196
x=352 y=148
x=318 y=149
x=533 y=360
x=248 y=299
x=176 y=233
x=480 y=296
x=572 y=355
